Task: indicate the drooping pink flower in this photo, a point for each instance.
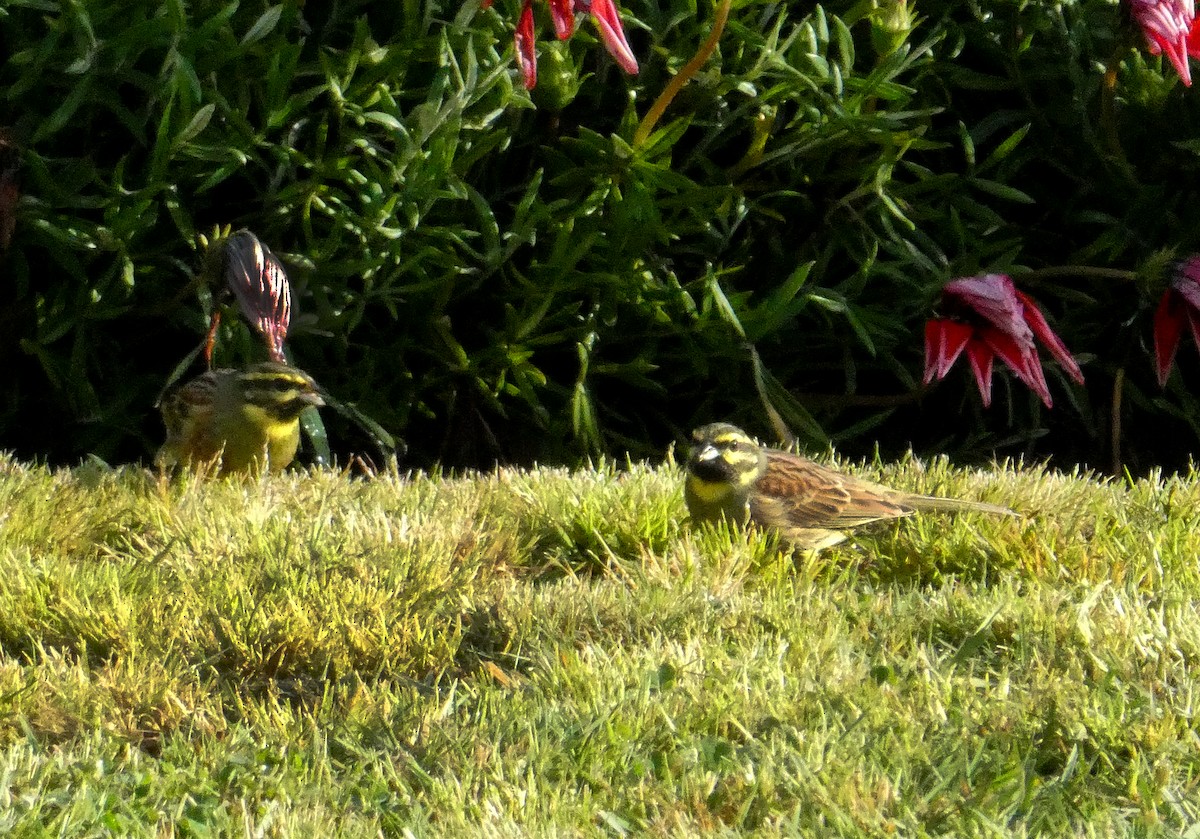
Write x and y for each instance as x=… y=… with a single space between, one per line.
x=1179 y=307
x=989 y=318
x=604 y=12
x=523 y=43
x=1167 y=25
x=1193 y=40
x=261 y=287
x=563 y=13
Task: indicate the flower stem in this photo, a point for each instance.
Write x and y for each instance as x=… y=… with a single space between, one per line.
x=1119 y=274
x=681 y=78
x=1115 y=421
x=1108 y=111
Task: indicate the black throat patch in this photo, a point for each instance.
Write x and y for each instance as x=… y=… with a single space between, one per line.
x=714 y=471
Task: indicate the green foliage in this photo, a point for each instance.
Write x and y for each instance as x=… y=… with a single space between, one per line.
x=498 y=275
x=559 y=653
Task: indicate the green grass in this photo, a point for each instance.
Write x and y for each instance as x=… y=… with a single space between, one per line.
x=556 y=653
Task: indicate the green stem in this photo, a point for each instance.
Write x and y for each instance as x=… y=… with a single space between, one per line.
x=1115 y=420
x=1108 y=111
x=1119 y=274
x=681 y=78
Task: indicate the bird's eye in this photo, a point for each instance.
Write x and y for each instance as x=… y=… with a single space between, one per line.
x=734 y=445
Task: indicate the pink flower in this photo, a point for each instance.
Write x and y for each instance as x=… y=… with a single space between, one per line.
x=523 y=41
x=261 y=287
x=1167 y=25
x=604 y=12
x=988 y=317
x=563 y=12
x=1180 y=305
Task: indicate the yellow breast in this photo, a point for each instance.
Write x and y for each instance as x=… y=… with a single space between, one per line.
x=709 y=492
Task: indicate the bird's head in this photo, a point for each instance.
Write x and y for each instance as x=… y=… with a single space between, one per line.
x=723 y=454
x=280 y=391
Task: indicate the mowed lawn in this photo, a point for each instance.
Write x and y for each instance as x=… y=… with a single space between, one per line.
x=556 y=653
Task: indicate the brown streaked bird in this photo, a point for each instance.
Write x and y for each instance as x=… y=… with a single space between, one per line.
x=731 y=477
x=244 y=420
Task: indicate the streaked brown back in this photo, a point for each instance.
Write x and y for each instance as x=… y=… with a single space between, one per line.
x=810 y=495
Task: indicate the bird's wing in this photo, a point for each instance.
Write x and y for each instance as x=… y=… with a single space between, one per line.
x=188 y=415
x=806 y=494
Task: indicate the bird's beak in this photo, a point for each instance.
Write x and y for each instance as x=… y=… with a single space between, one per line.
x=705 y=453
x=313 y=398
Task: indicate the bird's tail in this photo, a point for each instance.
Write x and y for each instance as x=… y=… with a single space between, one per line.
x=930 y=502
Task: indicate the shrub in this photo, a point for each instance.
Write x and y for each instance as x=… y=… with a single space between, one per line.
x=498 y=274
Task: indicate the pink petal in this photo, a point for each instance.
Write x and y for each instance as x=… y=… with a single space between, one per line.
x=1166 y=24
x=1168 y=326
x=613 y=34
x=1193 y=40
x=1186 y=280
x=523 y=41
x=1179 y=303
x=261 y=287
x=1189 y=267
x=1037 y=322
x=1022 y=359
x=994 y=298
x=274 y=326
x=980 y=355
x=563 y=14
x=944 y=341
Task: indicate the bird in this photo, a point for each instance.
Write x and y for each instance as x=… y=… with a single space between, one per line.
x=242 y=420
x=731 y=477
